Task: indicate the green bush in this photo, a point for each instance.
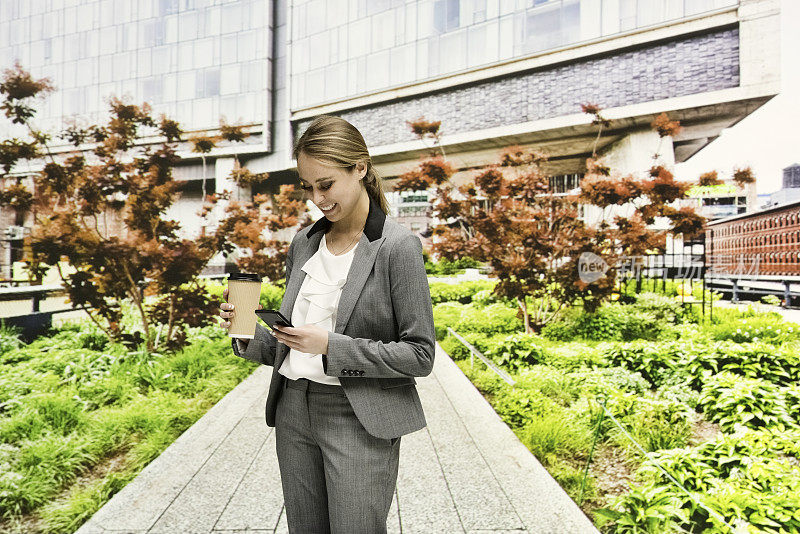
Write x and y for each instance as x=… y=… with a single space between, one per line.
x=462 y=292
x=612 y=322
x=752 y=475
x=661 y=307
x=518 y=405
x=446 y=267
x=754 y=329
x=732 y=400
x=563 y=388
x=458 y=351
x=70 y=400
x=771 y=300
x=792 y=396
x=573 y=355
x=491 y=319
x=554 y=434
x=518 y=351
x=780 y=365
x=655 y=424
x=9 y=338
x=651 y=360
x=446 y=314
x=650 y=509
x=604 y=380
x=483 y=378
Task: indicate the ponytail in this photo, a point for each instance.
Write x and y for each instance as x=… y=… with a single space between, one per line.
x=374 y=185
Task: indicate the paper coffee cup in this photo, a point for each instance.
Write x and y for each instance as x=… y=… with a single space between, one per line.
x=244 y=290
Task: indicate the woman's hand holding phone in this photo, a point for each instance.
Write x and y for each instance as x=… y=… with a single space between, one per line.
x=309 y=338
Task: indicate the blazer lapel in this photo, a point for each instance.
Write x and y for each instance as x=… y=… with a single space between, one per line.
x=363 y=260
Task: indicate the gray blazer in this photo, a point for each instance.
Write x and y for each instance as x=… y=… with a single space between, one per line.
x=384 y=333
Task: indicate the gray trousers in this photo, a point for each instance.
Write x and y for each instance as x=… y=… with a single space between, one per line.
x=336 y=477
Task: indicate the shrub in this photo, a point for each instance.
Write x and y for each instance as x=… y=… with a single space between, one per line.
x=456 y=350
x=564 y=328
x=447 y=267
x=517 y=405
x=574 y=355
x=755 y=329
x=771 y=300
x=9 y=338
x=742 y=475
x=656 y=424
x=612 y=322
x=650 y=508
x=492 y=319
x=792 y=396
x=554 y=434
x=462 y=292
x=604 y=380
x=732 y=400
x=518 y=351
x=661 y=307
x=444 y=315
x=653 y=361
x=552 y=383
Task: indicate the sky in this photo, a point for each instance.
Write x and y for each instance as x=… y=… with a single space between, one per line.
x=769 y=138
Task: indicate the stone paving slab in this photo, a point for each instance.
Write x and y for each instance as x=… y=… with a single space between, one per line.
x=466 y=472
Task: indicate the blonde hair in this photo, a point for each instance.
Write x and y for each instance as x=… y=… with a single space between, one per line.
x=340 y=144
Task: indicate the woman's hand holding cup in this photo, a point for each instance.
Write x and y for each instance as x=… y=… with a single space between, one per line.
x=226 y=310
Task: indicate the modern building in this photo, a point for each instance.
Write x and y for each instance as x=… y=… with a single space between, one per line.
x=724 y=200
x=790 y=192
x=494 y=72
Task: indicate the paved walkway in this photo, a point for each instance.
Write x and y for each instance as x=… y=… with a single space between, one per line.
x=465 y=472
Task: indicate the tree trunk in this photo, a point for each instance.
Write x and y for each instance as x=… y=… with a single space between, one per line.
x=171 y=316
x=523 y=305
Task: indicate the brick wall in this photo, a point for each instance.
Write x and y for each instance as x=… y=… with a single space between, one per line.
x=690 y=65
x=764 y=243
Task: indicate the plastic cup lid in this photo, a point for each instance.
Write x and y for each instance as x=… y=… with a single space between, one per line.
x=249 y=277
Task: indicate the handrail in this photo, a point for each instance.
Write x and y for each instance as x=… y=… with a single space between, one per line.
x=475 y=352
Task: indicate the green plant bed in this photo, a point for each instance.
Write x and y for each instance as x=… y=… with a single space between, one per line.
x=721 y=415
x=71 y=405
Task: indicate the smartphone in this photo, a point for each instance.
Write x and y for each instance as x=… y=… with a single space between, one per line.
x=273 y=317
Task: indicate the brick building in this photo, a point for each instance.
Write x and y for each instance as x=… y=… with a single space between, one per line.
x=760 y=244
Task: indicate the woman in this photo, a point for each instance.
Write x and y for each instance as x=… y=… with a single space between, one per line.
x=343 y=388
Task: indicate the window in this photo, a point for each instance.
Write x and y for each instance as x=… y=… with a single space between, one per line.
x=551 y=26
x=167 y=7
x=152 y=90
x=207 y=83
x=478 y=11
x=445 y=15
x=153 y=33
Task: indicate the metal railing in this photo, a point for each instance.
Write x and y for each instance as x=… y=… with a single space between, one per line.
x=475 y=352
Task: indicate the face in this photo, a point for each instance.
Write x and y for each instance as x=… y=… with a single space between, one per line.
x=333 y=188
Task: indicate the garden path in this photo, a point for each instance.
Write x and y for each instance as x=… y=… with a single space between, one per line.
x=465 y=472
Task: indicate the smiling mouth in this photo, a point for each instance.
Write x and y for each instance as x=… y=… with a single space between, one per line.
x=329 y=207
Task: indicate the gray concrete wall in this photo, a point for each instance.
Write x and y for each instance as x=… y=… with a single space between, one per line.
x=685 y=66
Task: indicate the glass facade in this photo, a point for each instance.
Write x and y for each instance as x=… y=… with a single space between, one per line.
x=195 y=60
x=343 y=48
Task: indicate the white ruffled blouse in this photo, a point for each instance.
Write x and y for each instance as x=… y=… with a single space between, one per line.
x=317 y=303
